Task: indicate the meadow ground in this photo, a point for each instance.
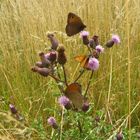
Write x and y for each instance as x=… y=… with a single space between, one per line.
x=115 y=87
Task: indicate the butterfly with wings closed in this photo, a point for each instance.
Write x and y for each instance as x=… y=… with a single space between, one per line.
x=74 y=93
x=74 y=24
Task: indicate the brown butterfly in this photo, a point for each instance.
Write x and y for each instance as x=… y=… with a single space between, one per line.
x=74 y=24
x=74 y=93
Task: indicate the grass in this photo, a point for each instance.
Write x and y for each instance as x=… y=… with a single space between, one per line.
x=115 y=87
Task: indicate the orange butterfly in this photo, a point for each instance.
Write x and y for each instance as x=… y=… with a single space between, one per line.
x=74 y=93
x=83 y=60
x=74 y=24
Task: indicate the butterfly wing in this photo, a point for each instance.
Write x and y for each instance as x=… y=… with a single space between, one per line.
x=82 y=59
x=74 y=93
x=74 y=24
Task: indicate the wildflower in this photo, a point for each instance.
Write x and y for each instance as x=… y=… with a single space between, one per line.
x=94 y=41
x=93 y=64
x=85 y=107
x=42 y=71
x=61 y=56
x=52 y=122
x=53 y=40
x=44 y=59
x=119 y=136
x=52 y=57
x=13 y=109
x=84 y=35
x=64 y=101
x=114 y=40
x=99 y=49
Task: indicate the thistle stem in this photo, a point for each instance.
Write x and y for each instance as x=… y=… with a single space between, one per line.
x=81 y=73
x=79 y=126
x=57 y=81
x=89 y=49
x=88 y=84
x=65 y=77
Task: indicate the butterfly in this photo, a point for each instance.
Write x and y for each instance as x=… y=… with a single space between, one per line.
x=74 y=24
x=74 y=93
x=83 y=60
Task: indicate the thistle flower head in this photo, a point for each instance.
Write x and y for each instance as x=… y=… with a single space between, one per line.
x=51 y=56
x=99 y=49
x=84 y=33
x=116 y=39
x=63 y=100
x=52 y=122
x=93 y=64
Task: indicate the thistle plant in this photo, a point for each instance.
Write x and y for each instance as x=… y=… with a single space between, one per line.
x=72 y=98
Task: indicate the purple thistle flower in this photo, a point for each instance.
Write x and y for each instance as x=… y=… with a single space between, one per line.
x=51 y=56
x=47 y=56
x=13 y=109
x=64 y=101
x=93 y=64
x=84 y=33
x=52 y=122
x=116 y=39
x=99 y=49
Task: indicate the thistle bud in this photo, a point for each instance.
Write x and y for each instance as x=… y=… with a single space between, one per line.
x=84 y=36
x=94 y=41
x=13 y=109
x=110 y=43
x=119 y=136
x=61 y=56
x=39 y=64
x=85 y=107
x=53 y=40
x=45 y=61
x=42 y=71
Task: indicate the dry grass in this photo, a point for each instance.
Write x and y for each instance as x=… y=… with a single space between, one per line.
x=23 y=25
